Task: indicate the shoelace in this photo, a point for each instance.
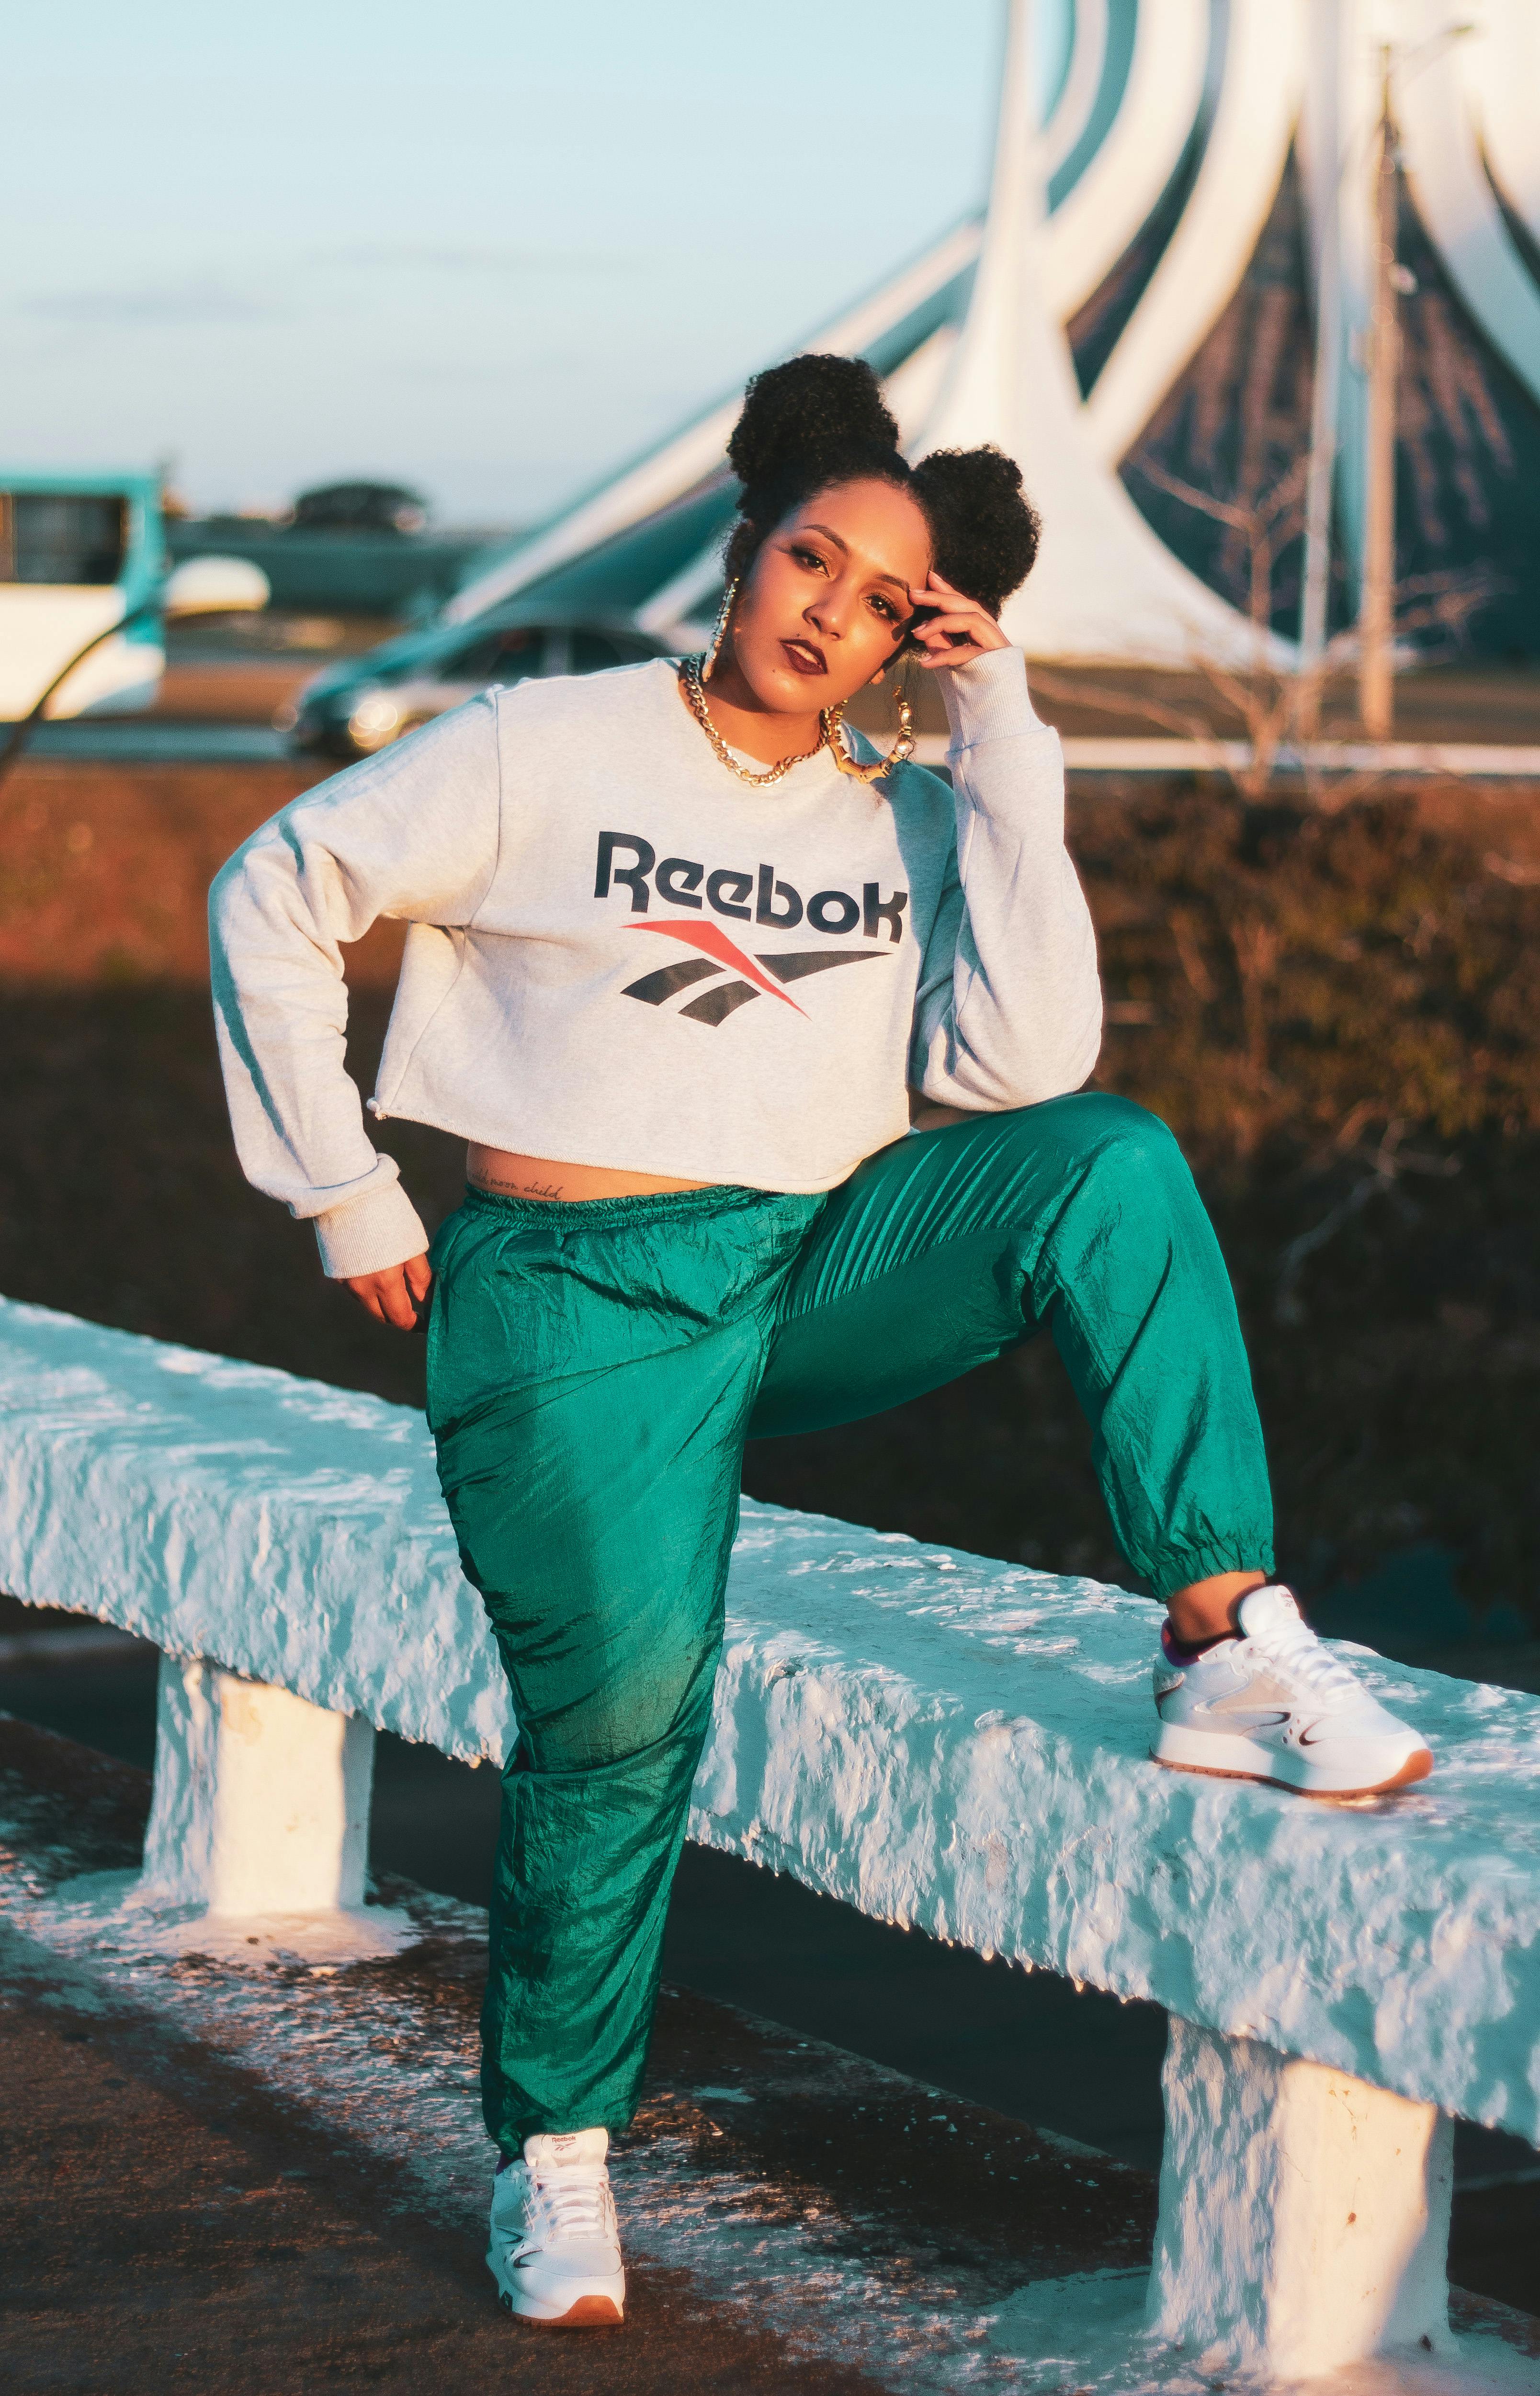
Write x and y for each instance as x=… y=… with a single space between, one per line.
x=1296 y=1648
x=572 y=2203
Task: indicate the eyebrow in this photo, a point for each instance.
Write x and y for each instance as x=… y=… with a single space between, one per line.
x=844 y=547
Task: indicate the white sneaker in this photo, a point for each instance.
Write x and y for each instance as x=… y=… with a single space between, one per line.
x=1273 y=1704
x=555 y=2250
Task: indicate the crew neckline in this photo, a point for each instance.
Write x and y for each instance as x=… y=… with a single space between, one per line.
x=802 y=776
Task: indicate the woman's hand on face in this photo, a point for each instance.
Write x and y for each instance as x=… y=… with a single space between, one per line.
x=959 y=631
x=396 y=1295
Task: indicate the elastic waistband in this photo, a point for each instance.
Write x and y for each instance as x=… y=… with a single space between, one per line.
x=604 y=1214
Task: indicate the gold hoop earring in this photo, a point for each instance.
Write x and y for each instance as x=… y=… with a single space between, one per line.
x=900 y=754
x=719 y=633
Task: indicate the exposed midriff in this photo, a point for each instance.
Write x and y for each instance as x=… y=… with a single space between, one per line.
x=508 y=1175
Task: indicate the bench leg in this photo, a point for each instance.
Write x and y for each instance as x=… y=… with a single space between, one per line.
x=1304 y=2218
x=260 y=1802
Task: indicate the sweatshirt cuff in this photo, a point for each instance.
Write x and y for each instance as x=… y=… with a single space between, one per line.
x=987 y=700
x=369 y=1233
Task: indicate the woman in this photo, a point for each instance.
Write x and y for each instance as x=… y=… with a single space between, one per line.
x=682 y=951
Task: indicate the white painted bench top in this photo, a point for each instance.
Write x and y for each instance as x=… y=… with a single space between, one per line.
x=934 y=1737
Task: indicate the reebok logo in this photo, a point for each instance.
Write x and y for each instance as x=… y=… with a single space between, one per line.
x=715 y=1005
x=626 y=858
x=678 y=880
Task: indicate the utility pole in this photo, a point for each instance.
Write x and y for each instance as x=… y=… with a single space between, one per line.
x=1377 y=605
x=1323 y=107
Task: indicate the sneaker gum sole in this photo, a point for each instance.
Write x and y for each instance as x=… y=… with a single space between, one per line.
x=596 y=2307
x=1416 y=1767
x=585 y=2312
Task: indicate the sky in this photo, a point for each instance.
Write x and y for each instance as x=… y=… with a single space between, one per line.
x=486 y=250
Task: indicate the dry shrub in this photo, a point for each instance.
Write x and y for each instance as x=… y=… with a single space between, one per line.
x=1298 y=980
x=1339 y=1015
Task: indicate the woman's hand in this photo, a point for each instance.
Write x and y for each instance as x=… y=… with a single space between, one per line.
x=396 y=1295
x=961 y=630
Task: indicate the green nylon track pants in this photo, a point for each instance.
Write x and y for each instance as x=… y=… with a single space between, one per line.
x=593 y=1371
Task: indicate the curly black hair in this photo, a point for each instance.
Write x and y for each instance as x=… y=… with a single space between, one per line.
x=818 y=420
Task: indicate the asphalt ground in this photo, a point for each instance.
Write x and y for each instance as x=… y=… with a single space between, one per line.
x=1076 y=2063
x=218 y=703
x=181 y=2228
x=172 y=2218
x=204 y=2183
x=1458 y=700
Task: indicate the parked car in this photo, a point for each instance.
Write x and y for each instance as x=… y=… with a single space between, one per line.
x=352 y=709
x=360 y=507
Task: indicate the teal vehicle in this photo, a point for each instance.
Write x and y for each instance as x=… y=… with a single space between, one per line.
x=362 y=704
x=85 y=595
x=78 y=555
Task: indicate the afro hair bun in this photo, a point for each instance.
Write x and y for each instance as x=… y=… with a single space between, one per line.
x=986 y=529
x=812 y=411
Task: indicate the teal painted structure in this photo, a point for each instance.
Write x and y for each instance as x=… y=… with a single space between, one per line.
x=144 y=566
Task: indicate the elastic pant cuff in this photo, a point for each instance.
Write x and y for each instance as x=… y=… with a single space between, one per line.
x=1190 y=1564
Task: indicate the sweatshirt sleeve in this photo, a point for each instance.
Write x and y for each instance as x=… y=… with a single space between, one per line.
x=1009 y=1008
x=411 y=834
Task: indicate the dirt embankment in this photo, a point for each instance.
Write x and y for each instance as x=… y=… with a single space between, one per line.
x=104 y=870
x=1340 y=1016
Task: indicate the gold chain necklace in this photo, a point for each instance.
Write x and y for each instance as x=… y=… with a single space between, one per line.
x=830 y=720
x=694 y=693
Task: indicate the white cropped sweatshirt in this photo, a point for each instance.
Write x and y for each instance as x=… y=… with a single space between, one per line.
x=620 y=955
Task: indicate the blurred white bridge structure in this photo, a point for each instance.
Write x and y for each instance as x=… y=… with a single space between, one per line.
x=1174 y=274
x=944 y=1742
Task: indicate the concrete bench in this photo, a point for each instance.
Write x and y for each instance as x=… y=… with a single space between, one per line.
x=940 y=1740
